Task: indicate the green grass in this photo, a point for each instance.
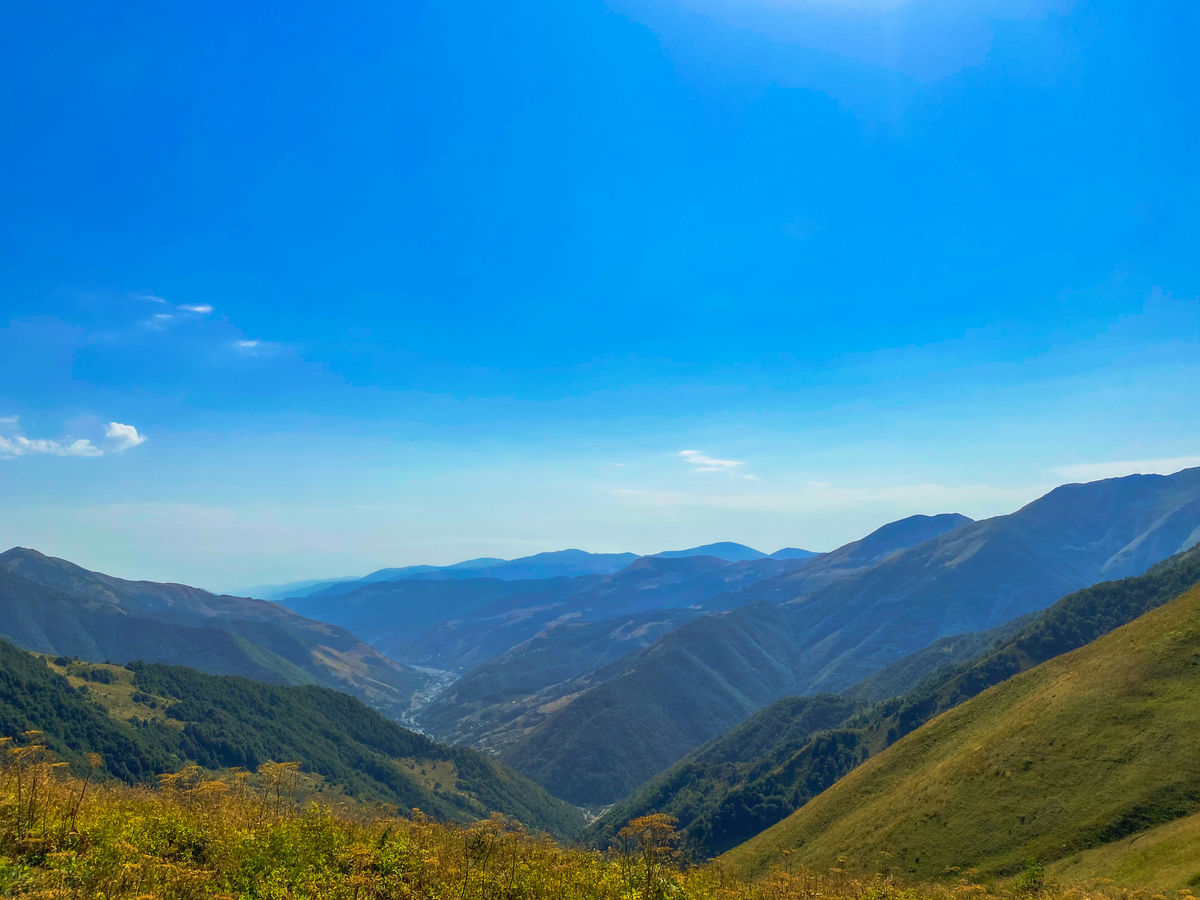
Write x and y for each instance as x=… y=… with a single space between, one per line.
x=1163 y=858
x=1079 y=752
x=246 y=836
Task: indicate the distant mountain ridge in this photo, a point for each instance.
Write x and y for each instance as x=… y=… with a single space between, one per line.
x=840 y=617
x=726 y=550
x=54 y=606
x=553 y=564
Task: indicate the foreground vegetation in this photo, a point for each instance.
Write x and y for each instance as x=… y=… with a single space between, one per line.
x=143 y=719
x=245 y=835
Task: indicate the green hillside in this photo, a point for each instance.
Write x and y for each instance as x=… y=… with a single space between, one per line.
x=1081 y=751
x=53 y=606
x=749 y=778
x=1161 y=859
x=830 y=623
x=146 y=719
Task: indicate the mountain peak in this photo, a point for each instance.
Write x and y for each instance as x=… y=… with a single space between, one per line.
x=727 y=550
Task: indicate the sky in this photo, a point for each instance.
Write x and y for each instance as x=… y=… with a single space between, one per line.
x=377 y=284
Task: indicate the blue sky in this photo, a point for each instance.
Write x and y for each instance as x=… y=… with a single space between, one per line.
x=393 y=283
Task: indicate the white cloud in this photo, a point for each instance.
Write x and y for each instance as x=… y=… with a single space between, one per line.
x=246 y=345
x=9 y=421
x=705 y=463
x=1096 y=471
x=19 y=445
x=121 y=437
x=117 y=438
x=153 y=298
x=201 y=308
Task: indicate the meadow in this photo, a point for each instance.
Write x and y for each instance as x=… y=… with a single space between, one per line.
x=276 y=833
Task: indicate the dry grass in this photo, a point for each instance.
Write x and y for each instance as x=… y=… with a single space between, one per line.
x=243 y=835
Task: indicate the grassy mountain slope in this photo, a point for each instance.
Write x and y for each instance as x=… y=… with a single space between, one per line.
x=53 y=606
x=731 y=789
x=817 y=631
x=1161 y=859
x=1078 y=752
x=146 y=719
x=695 y=788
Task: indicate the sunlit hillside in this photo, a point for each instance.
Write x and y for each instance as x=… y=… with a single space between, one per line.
x=1090 y=748
x=242 y=835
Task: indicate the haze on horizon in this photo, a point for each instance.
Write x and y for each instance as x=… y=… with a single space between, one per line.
x=300 y=297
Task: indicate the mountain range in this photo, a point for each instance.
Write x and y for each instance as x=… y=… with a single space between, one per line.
x=53 y=606
x=1087 y=749
x=750 y=777
x=552 y=564
x=840 y=617
x=731 y=689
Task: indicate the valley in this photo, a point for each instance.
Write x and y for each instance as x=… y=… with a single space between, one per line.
x=924 y=689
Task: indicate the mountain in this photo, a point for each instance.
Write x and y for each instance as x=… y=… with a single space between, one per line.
x=907 y=673
x=396 y=617
x=473 y=566
x=726 y=550
x=1074 y=754
x=556 y=651
x=293 y=588
x=556 y=564
x=147 y=719
x=749 y=778
x=453 y=624
x=840 y=617
x=53 y=606
x=793 y=553
x=643 y=712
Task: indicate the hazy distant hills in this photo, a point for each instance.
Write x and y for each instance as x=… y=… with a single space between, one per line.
x=1075 y=754
x=460 y=624
x=726 y=550
x=828 y=624
x=554 y=564
x=53 y=606
x=149 y=719
x=750 y=777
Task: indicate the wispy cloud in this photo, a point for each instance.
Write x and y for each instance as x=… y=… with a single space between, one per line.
x=202 y=309
x=153 y=298
x=1099 y=470
x=702 y=462
x=117 y=439
x=19 y=445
